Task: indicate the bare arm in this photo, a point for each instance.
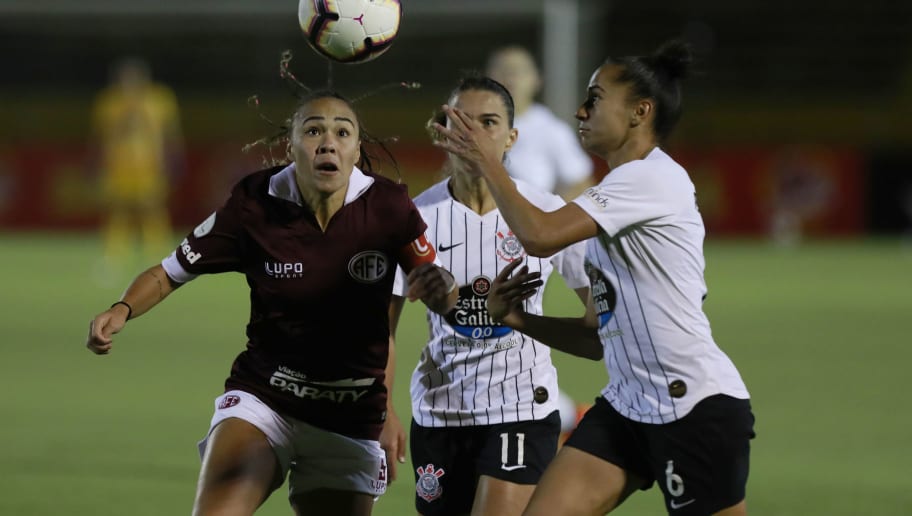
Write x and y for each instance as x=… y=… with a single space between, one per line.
x=541 y=233
x=147 y=290
x=392 y=438
x=575 y=335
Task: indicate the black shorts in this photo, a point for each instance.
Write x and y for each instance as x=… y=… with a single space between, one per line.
x=448 y=461
x=700 y=461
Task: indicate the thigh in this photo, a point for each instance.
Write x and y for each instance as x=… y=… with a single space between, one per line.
x=497 y=497
x=444 y=462
x=332 y=501
x=701 y=461
x=239 y=470
x=579 y=483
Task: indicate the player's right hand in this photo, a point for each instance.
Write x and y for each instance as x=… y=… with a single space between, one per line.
x=507 y=294
x=103 y=327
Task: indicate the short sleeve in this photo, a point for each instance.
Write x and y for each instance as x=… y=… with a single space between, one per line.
x=212 y=247
x=570 y=264
x=631 y=195
x=400 y=285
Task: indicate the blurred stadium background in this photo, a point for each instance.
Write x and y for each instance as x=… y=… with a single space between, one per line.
x=800 y=106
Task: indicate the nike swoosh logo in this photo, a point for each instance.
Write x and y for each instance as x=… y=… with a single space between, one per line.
x=444 y=248
x=515 y=467
x=679 y=505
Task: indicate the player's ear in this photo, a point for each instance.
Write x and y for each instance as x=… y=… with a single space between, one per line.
x=514 y=134
x=358 y=152
x=642 y=111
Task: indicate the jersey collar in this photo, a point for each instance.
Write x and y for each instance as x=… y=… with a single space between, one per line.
x=283 y=186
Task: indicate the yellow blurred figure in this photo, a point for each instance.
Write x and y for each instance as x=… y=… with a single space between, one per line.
x=138 y=134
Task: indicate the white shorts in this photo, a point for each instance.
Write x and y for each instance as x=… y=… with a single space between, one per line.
x=312 y=457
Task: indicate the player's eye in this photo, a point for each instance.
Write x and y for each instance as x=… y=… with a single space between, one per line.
x=343 y=132
x=489 y=122
x=311 y=131
x=591 y=101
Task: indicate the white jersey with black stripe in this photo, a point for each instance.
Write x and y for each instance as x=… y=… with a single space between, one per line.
x=474 y=371
x=646 y=269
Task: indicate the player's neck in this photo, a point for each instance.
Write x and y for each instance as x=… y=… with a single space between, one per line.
x=472 y=191
x=324 y=206
x=632 y=150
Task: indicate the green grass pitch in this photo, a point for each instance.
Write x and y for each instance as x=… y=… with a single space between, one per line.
x=820 y=332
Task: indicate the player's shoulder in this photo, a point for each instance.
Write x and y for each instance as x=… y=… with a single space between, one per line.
x=255 y=185
x=540 y=198
x=433 y=195
x=656 y=165
x=383 y=189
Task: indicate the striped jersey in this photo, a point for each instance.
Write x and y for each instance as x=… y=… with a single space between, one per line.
x=646 y=269
x=474 y=371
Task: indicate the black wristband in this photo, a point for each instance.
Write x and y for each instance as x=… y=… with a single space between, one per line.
x=129 y=308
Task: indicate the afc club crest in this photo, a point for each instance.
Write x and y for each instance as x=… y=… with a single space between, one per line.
x=428 y=485
x=229 y=401
x=509 y=247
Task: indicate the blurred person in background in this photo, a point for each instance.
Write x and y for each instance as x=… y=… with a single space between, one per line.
x=548 y=154
x=319 y=242
x=675 y=411
x=137 y=152
x=485 y=420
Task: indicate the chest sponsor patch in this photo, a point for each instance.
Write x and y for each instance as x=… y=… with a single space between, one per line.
x=470 y=317
x=603 y=294
x=346 y=390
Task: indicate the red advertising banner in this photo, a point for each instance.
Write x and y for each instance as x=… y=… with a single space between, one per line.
x=784 y=192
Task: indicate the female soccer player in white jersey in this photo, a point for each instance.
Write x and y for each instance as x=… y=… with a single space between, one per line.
x=484 y=397
x=675 y=410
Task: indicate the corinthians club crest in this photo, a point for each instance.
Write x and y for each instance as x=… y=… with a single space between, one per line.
x=428 y=485
x=508 y=247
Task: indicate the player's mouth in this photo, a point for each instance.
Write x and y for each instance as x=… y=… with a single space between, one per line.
x=326 y=167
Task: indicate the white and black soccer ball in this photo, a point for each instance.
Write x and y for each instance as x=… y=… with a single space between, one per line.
x=350 y=31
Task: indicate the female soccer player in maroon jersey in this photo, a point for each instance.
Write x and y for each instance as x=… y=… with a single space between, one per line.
x=319 y=242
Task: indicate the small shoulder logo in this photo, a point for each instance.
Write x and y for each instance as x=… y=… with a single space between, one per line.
x=368 y=266
x=421 y=245
x=428 y=485
x=509 y=247
x=229 y=401
x=205 y=227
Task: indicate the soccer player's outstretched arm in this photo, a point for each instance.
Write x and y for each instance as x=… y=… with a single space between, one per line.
x=575 y=335
x=147 y=290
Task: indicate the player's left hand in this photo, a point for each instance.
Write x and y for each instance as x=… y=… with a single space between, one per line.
x=507 y=294
x=392 y=440
x=466 y=138
x=433 y=285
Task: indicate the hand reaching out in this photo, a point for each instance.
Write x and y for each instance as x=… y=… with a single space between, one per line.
x=103 y=328
x=466 y=138
x=508 y=293
x=434 y=286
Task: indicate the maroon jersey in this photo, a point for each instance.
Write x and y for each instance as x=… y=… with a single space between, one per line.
x=318 y=336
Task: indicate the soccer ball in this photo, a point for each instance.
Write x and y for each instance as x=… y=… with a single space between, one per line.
x=350 y=31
